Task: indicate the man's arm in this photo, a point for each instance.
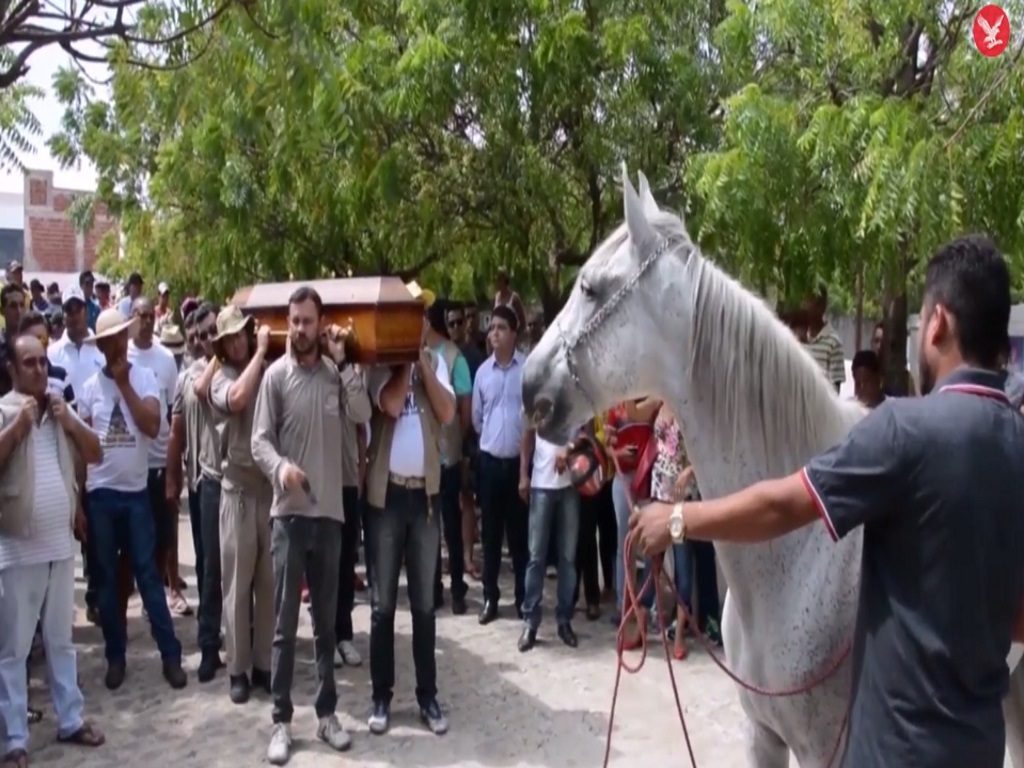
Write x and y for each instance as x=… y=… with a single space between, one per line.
x=354 y=396
x=242 y=390
x=145 y=406
x=84 y=439
x=391 y=398
x=526 y=448
x=265 y=449
x=13 y=432
x=477 y=406
x=837 y=365
x=201 y=385
x=439 y=389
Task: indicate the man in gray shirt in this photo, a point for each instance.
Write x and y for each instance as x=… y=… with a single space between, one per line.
x=297 y=441
x=936 y=482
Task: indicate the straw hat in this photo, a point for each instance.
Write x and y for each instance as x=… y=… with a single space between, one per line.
x=171 y=338
x=230 y=321
x=110 y=323
x=427 y=296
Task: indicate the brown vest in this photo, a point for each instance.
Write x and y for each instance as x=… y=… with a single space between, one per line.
x=382 y=429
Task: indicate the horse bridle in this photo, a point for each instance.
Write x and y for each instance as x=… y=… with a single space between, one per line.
x=570 y=345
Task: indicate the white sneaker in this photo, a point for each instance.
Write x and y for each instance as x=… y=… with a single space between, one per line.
x=333 y=733
x=280 y=744
x=347 y=655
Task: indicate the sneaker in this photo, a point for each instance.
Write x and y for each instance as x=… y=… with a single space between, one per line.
x=380 y=718
x=332 y=733
x=280 y=744
x=347 y=655
x=434 y=718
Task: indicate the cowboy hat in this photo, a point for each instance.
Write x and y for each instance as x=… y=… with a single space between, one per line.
x=230 y=321
x=171 y=338
x=427 y=296
x=110 y=323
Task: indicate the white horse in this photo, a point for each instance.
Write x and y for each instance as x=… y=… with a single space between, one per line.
x=650 y=316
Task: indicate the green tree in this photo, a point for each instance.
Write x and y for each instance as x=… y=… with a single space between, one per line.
x=427 y=138
x=858 y=137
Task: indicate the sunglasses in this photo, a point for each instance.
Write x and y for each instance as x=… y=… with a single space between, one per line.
x=455 y=323
x=204 y=335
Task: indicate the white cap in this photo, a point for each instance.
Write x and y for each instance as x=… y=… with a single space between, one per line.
x=73 y=291
x=163 y=288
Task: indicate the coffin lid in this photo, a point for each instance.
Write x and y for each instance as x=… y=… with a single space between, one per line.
x=368 y=291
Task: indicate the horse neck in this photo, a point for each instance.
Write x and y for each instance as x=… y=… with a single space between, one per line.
x=752 y=404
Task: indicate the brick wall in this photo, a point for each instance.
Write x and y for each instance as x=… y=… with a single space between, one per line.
x=51 y=242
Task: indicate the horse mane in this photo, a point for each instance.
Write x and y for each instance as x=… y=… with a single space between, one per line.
x=737 y=344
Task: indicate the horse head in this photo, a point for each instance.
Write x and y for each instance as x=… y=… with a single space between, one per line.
x=611 y=338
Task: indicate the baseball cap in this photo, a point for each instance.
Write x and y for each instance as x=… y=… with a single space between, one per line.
x=163 y=288
x=14 y=266
x=72 y=293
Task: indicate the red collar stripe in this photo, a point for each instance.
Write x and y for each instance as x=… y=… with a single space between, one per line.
x=979 y=390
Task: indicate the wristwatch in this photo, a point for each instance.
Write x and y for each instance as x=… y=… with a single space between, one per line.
x=676 y=525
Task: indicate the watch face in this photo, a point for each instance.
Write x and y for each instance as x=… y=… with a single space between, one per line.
x=675 y=527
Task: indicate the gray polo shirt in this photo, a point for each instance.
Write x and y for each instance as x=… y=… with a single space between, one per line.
x=298 y=418
x=937 y=483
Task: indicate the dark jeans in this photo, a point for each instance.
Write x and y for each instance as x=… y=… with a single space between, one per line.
x=195 y=522
x=503 y=514
x=364 y=518
x=555 y=510
x=88 y=557
x=451 y=514
x=707 y=582
x=597 y=517
x=307 y=547
x=122 y=522
x=409 y=529
x=682 y=560
x=164 y=522
x=211 y=600
x=347 y=564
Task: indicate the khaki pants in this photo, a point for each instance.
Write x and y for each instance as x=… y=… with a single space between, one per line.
x=248 y=576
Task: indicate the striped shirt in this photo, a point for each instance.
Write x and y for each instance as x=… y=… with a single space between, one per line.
x=827 y=351
x=51 y=537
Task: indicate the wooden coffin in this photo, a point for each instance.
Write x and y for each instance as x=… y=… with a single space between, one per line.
x=386 y=320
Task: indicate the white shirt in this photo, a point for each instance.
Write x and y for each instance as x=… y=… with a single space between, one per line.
x=51 y=538
x=545 y=477
x=125 y=448
x=124 y=306
x=160 y=361
x=81 y=362
x=407 y=440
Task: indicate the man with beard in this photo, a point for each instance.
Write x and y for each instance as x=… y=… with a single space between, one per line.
x=121 y=403
x=146 y=352
x=298 y=443
x=247 y=573
x=195 y=435
x=936 y=482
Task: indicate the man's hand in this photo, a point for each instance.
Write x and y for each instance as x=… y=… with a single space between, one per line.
x=27 y=416
x=61 y=413
x=648 y=525
x=292 y=478
x=562 y=460
x=336 y=336
x=263 y=339
x=119 y=371
x=524 y=487
x=81 y=526
x=172 y=488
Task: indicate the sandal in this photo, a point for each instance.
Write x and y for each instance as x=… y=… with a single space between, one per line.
x=34 y=715
x=178 y=605
x=16 y=758
x=86 y=736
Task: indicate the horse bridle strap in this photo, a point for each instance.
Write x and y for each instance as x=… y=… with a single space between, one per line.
x=570 y=345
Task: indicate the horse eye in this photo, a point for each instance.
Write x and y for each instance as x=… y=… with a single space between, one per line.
x=587 y=289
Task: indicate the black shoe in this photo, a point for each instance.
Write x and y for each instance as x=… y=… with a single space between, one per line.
x=519 y=611
x=489 y=612
x=174 y=674
x=528 y=639
x=458 y=605
x=208 y=666
x=92 y=615
x=115 y=675
x=239 y=689
x=567 y=636
x=380 y=718
x=434 y=718
x=261 y=680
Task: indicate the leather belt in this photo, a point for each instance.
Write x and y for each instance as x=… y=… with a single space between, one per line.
x=411 y=483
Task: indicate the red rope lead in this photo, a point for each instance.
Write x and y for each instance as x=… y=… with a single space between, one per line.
x=631 y=609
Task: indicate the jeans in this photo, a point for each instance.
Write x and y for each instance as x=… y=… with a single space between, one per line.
x=122 y=521
x=597 y=520
x=211 y=598
x=409 y=529
x=683 y=566
x=195 y=523
x=347 y=565
x=451 y=514
x=88 y=556
x=26 y=593
x=310 y=547
x=165 y=520
x=503 y=514
x=557 y=509
x=707 y=582
x=619 y=486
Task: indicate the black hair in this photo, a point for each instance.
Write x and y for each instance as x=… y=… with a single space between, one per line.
x=85 y=277
x=31 y=319
x=203 y=311
x=508 y=315
x=303 y=294
x=969 y=277
x=7 y=290
x=35 y=285
x=190 y=319
x=53 y=288
x=866 y=358
x=436 y=314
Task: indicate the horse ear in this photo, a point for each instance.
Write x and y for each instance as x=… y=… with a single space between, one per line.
x=650 y=204
x=639 y=228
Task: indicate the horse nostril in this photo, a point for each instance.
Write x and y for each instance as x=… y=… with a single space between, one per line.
x=542 y=409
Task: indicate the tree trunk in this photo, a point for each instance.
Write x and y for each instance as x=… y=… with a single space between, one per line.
x=897 y=382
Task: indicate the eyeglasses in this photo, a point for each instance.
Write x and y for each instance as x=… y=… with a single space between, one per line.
x=204 y=335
